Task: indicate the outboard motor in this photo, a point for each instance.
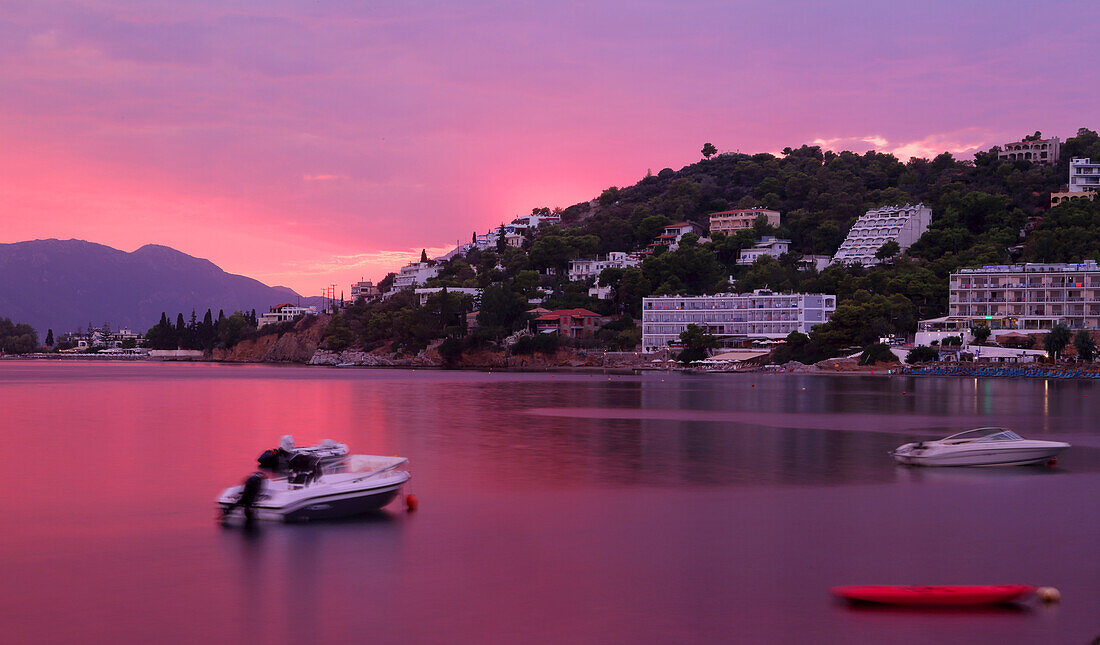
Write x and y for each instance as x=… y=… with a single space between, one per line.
x=250 y=492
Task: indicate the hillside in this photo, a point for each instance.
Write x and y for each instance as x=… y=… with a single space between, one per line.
x=66 y=284
x=979 y=210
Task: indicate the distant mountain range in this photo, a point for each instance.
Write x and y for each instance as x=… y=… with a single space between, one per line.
x=66 y=284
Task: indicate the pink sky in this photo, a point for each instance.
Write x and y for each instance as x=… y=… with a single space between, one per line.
x=312 y=143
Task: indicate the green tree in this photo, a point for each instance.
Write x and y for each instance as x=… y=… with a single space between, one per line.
x=877 y=353
x=1057 y=339
x=709 y=150
x=980 y=333
x=424 y=252
x=49 y=338
x=922 y=354
x=1085 y=345
x=502 y=311
x=888 y=250
x=696 y=343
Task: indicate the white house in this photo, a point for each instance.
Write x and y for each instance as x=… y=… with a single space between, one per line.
x=768 y=245
x=1084 y=176
x=415 y=273
x=284 y=313
x=583 y=269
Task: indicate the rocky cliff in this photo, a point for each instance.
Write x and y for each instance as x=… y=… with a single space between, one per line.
x=296 y=346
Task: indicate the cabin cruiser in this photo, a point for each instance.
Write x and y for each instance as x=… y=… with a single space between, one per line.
x=979 y=447
x=329 y=454
x=368 y=483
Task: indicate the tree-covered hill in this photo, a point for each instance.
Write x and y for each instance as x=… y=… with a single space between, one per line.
x=979 y=211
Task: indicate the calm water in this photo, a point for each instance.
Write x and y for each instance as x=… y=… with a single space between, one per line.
x=563 y=508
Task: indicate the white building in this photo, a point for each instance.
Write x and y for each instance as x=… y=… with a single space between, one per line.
x=591 y=268
x=535 y=220
x=1026 y=296
x=672 y=234
x=415 y=273
x=1084 y=176
x=760 y=314
x=901 y=224
x=729 y=222
x=425 y=292
x=768 y=245
x=1041 y=151
x=366 y=290
x=284 y=313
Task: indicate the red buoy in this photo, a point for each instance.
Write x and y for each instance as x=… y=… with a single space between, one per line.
x=410 y=502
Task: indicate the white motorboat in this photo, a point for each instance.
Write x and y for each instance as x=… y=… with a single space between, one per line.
x=368 y=483
x=979 y=447
x=328 y=454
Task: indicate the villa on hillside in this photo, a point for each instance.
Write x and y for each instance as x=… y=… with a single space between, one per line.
x=284 y=313
x=1040 y=151
x=730 y=222
x=574 y=323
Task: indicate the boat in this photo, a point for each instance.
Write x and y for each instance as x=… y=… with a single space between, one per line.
x=367 y=484
x=941 y=595
x=979 y=447
x=929 y=595
x=329 y=454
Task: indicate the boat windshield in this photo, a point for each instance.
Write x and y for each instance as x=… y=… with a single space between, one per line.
x=983 y=434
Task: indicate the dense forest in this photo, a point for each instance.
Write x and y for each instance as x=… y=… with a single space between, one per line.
x=981 y=209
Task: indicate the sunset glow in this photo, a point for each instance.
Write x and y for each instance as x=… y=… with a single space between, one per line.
x=305 y=144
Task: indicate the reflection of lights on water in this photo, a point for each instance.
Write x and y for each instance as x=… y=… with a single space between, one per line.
x=1046 y=406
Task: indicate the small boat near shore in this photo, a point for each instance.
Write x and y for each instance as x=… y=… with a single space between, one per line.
x=979 y=447
x=369 y=483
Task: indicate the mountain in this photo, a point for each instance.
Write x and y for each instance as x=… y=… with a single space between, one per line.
x=66 y=284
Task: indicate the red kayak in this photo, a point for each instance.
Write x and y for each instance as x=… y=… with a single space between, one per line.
x=934 y=595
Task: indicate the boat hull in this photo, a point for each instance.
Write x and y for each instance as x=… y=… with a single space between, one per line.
x=977 y=455
x=945 y=595
x=337 y=500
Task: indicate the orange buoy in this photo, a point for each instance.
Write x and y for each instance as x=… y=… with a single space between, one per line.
x=410 y=502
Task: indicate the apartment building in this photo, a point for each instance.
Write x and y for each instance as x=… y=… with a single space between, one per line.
x=768 y=245
x=1084 y=176
x=732 y=316
x=1027 y=296
x=729 y=222
x=1041 y=151
x=901 y=224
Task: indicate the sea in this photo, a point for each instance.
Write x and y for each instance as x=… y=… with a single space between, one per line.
x=554 y=507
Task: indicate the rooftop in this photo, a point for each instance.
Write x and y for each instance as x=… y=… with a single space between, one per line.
x=1032 y=268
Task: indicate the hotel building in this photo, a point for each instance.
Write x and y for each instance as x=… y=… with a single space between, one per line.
x=730 y=316
x=729 y=222
x=1044 y=151
x=1027 y=296
x=901 y=224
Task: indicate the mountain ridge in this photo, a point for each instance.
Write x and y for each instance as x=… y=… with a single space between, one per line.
x=65 y=284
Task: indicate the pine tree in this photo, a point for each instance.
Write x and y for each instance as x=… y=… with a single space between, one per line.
x=49 y=338
x=423 y=255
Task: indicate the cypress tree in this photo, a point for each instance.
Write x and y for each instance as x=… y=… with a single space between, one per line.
x=49 y=338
